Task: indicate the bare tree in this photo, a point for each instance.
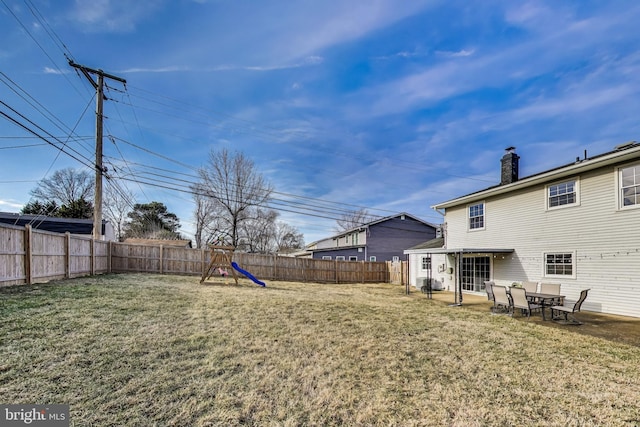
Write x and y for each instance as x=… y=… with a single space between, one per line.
x=234 y=186
x=117 y=204
x=287 y=237
x=65 y=186
x=258 y=231
x=207 y=215
x=353 y=219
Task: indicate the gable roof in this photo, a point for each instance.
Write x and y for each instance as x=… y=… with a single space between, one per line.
x=368 y=224
x=379 y=220
x=622 y=153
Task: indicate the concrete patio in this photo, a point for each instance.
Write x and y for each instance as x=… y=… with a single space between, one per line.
x=621 y=329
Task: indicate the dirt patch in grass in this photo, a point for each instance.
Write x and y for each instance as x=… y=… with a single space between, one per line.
x=164 y=350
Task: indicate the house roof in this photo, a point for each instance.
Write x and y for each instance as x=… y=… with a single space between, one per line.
x=436 y=246
x=368 y=224
x=622 y=153
x=438 y=242
x=48 y=223
x=468 y=251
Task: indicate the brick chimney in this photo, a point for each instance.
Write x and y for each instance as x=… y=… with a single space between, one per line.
x=509 y=170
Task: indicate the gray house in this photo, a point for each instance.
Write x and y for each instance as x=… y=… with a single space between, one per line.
x=384 y=239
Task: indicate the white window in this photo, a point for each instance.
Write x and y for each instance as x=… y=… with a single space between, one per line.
x=339 y=258
x=326 y=256
x=559 y=264
x=476 y=216
x=396 y=258
x=372 y=258
x=426 y=263
x=353 y=258
x=629 y=182
x=562 y=194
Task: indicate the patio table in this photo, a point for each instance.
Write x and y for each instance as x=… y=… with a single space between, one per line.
x=545 y=300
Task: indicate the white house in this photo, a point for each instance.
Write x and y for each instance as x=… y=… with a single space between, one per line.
x=577 y=225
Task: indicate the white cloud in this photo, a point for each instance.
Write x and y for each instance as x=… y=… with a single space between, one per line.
x=112 y=15
x=309 y=61
x=10 y=205
x=49 y=70
x=465 y=71
x=458 y=54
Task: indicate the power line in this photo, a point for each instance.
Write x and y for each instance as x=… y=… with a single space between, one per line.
x=78 y=157
x=22 y=146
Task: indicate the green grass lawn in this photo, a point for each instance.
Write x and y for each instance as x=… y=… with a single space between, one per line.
x=164 y=350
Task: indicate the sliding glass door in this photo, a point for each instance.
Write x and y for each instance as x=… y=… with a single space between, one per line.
x=475 y=271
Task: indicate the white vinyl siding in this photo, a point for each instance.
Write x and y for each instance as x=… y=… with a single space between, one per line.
x=334 y=242
x=604 y=241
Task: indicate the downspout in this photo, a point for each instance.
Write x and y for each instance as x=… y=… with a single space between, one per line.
x=460 y=276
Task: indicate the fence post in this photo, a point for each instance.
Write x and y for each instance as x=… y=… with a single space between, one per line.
x=67 y=255
x=109 y=252
x=92 y=252
x=161 y=258
x=275 y=267
x=28 y=244
x=202 y=253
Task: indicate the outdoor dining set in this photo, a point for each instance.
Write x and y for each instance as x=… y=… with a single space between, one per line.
x=533 y=296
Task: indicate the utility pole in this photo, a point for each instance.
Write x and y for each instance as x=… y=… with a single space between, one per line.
x=99 y=87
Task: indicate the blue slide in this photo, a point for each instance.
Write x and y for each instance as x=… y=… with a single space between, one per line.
x=249 y=275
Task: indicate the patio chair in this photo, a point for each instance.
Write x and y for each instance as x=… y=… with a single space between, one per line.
x=501 y=299
x=519 y=298
x=567 y=310
x=488 y=286
x=530 y=287
x=550 y=288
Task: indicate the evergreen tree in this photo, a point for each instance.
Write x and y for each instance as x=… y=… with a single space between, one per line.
x=152 y=220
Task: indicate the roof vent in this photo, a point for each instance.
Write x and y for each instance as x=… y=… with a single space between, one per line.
x=626 y=145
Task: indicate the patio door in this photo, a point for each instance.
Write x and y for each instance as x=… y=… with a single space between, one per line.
x=475 y=271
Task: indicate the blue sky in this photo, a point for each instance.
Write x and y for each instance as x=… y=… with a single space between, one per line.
x=384 y=104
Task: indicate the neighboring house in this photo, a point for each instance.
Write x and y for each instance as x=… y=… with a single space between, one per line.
x=577 y=225
x=81 y=227
x=384 y=239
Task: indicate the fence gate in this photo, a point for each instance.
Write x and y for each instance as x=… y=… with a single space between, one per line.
x=397 y=271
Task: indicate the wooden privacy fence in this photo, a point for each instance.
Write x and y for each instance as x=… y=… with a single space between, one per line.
x=33 y=256
x=171 y=260
x=398 y=272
